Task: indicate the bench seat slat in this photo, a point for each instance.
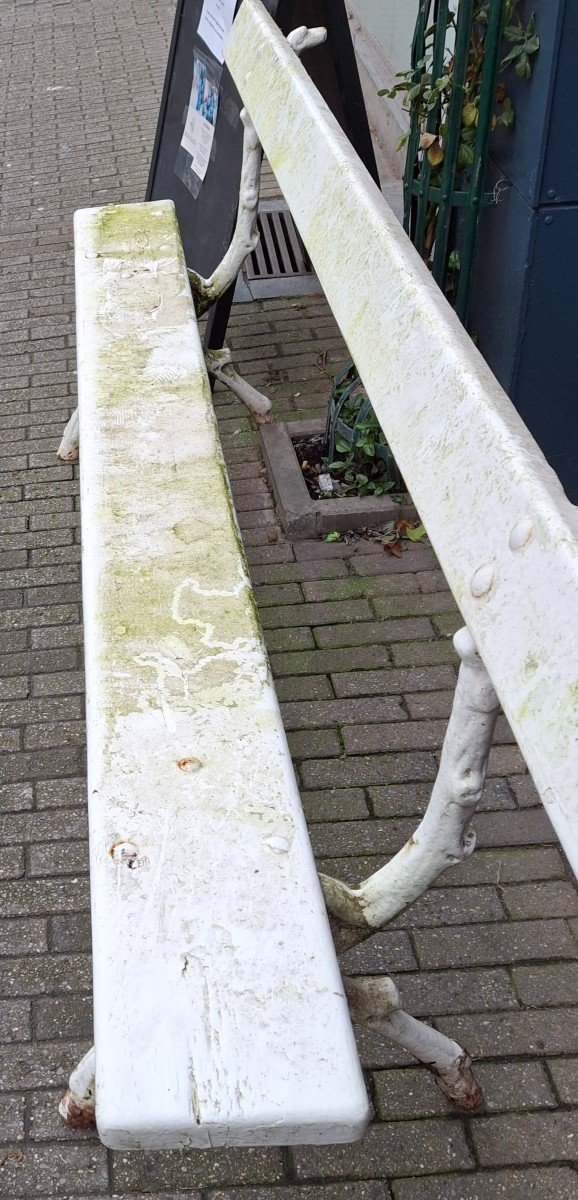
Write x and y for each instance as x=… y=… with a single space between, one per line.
x=504 y=532
x=220 y=1016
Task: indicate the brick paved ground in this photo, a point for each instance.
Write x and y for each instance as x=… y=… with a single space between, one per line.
x=365 y=668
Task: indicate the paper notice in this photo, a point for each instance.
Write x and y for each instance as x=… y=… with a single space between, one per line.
x=201 y=119
x=215 y=23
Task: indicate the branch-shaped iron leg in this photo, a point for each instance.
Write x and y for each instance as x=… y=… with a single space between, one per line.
x=219 y=364
x=246 y=234
x=77 y=1104
x=375 y=1002
x=68 y=448
x=443 y=837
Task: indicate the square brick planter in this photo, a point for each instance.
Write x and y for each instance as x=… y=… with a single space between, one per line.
x=304 y=517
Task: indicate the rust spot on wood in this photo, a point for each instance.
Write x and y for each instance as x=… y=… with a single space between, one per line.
x=189 y=764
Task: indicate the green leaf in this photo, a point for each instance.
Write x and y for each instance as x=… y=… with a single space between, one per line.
x=523 y=68
x=342 y=446
x=465 y=156
x=514 y=33
x=416 y=534
x=532 y=45
x=512 y=54
x=333 y=537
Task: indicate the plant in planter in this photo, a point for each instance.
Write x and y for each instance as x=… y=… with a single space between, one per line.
x=357 y=457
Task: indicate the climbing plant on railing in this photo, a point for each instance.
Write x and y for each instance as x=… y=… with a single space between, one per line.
x=455 y=101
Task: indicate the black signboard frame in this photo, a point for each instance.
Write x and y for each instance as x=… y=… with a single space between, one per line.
x=207 y=222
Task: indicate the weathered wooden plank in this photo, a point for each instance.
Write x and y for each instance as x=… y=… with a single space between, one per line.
x=504 y=532
x=220 y=1016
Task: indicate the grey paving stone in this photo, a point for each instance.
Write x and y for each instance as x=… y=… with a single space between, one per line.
x=564 y=1073
x=525 y=1138
x=403 y=1094
x=156 y=1172
x=381 y=953
x=392 y=1148
x=12 y=1118
x=15 y=1021
x=547 y=984
x=510 y=942
x=368 y=1189
x=495 y=1035
x=557 y=899
x=541 y=1183
x=337 y=804
x=54 y=1170
x=478 y=989
x=62 y=1017
x=26 y=935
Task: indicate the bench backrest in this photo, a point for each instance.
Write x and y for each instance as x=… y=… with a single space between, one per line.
x=497 y=516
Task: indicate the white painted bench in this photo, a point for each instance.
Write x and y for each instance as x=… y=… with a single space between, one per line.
x=220 y=1016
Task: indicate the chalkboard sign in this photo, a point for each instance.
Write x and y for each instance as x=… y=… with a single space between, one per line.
x=201 y=173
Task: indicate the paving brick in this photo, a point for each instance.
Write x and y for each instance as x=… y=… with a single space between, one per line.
x=412 y=1093
x=12 y=862
x=377 y=768
x=349 y=838
x=70 y=934
x=392 y=1148
x=380 y=954
x=57 y=793
x=55 y=1170
x=370 y=682
x=564 y=1072
x=16 y=797
x=337 y=804
x=323 y=662
x=45 y=973
x=31 y=897
x=295 y=637
x=24 y=935
x=308 y=743
x=556 y=899
x=525 y=1138
x=423 y=654
x=503 y=1034
x=525 y=791
x=519 y=828
x=192 y=1169
x=411 y=735
x=316 y=614
x=452 y=906
x=508 y=866
x=369 y=1189
x=547 y=984
x=303 y=687
x=12 y=1118
x=14 y=1023
x=418 y=559
x=43 y=827
x=337 y=712
x=370 y=633
x=462 y=946
x=533 y=1183
x=62 y=1017
x=424 y=705
x=478 y=989
x=62 y=858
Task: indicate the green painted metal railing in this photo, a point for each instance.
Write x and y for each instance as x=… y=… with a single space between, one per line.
x=443 y=201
